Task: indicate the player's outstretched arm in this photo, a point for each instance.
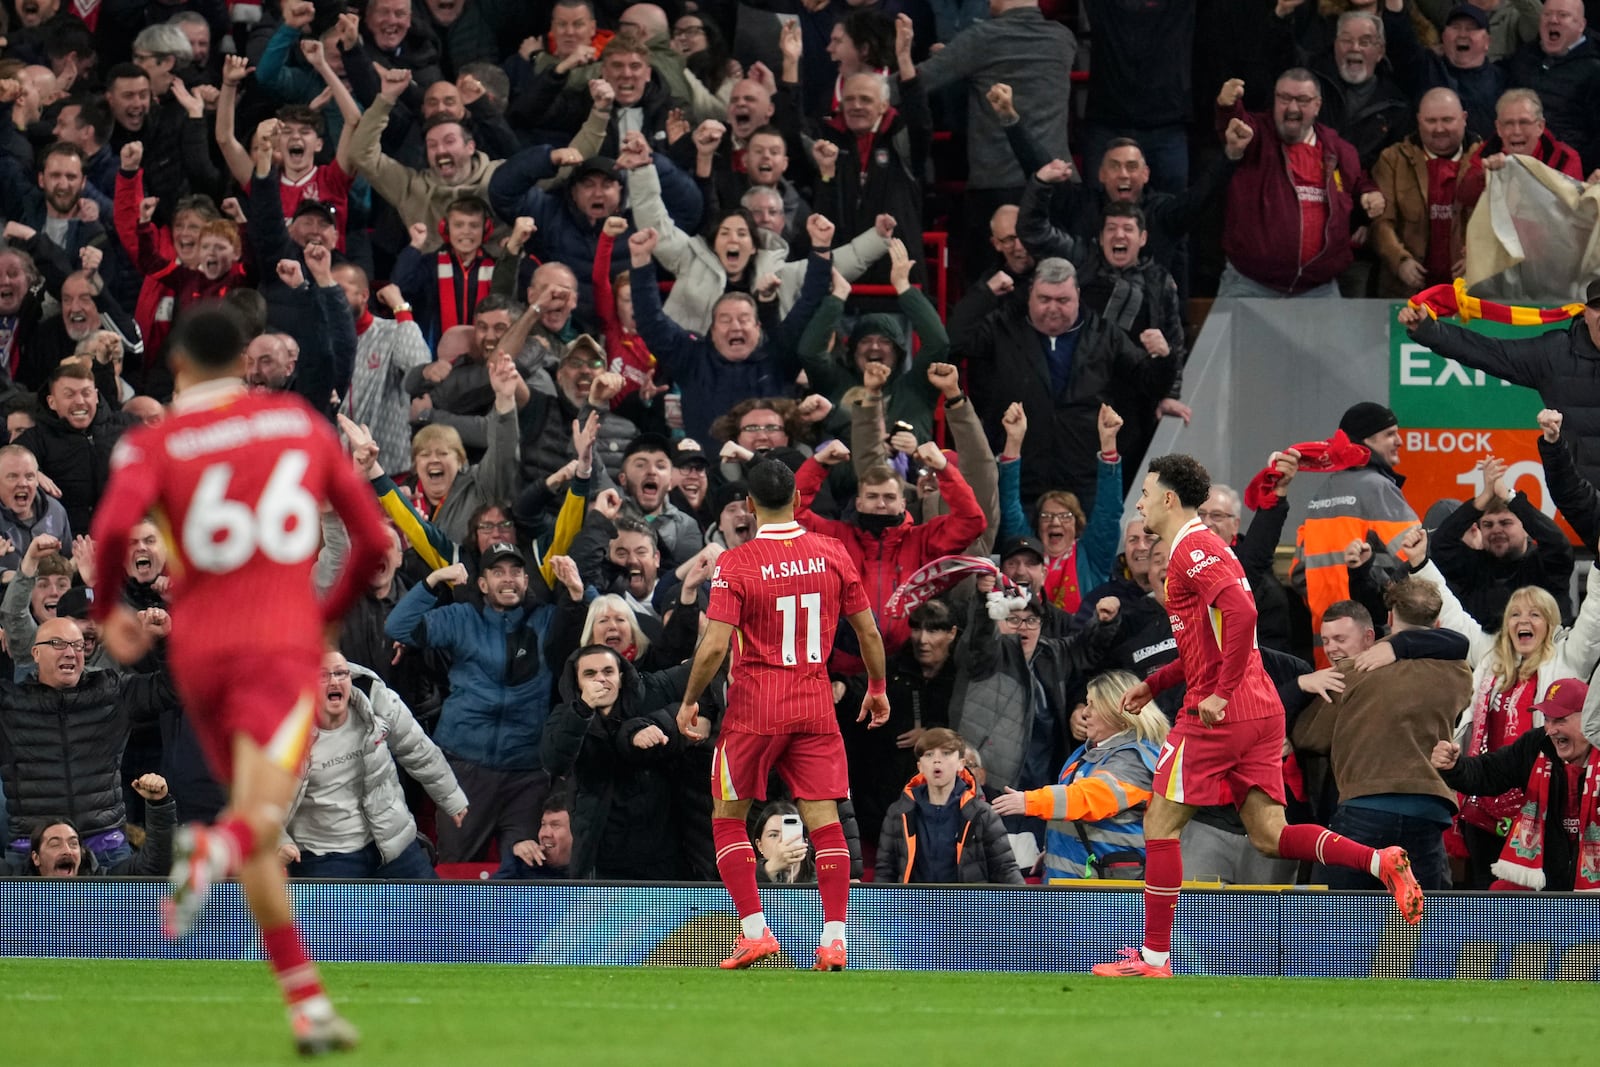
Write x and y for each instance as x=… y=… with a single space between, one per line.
x=707 y=661
x=875 y=705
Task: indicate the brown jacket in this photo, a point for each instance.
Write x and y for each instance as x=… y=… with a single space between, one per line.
x=1380 y=732
x=1402 y=231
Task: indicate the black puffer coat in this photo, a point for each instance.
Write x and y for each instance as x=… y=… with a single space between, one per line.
x=61 y=749
x=983 y=852
x=622 y=795
x=78 y=461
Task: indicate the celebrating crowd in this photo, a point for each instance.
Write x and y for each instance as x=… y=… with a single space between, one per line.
x=562 y=272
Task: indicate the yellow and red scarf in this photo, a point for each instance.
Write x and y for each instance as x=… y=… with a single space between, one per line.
x=1447 y=300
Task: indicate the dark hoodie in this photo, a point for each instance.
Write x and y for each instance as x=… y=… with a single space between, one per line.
x=78 y=461
x=622 y=810
x=962 y=841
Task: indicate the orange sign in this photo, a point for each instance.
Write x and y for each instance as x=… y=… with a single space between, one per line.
x=1442 y=464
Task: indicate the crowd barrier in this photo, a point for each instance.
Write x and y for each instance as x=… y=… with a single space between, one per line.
x=1222 y=932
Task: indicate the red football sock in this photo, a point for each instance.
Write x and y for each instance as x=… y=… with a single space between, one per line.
x=1163 y=874
x=1307 y=841
x=296 y=974
x=736 y=863
x=241 y=841
x=833 y=870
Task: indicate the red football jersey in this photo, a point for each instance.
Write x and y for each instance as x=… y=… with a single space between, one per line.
x=783 y=592
x=1199 y=567
x=236 y=481
x=326 y=182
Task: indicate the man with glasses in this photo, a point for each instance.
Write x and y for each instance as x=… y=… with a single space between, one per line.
x=1360 y=98
x=1293 y=197
x=62 y=736
x=349 y=819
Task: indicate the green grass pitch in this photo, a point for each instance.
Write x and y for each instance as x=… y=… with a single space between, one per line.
x=116 y=1013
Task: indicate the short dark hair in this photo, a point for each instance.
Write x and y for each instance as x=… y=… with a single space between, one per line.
x=1353 y=610
x=1120 y=142
x=1414 y=601
x=69 y=37
x=209 y=335
x=769 y=130
x=36 y=838
x=1183 y=475
x=251 y=308
x=441 y=119
x=630 y=524
x=932 y=614
x=93 y=112
x=497 y=302
x=595 y=650
x=125 y=70
x=62 y=148
x=301 y=115
x=475 y=206
x=1124 y=211
x=771 y=484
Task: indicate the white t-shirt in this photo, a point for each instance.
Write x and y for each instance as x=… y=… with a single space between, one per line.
x=329 y=817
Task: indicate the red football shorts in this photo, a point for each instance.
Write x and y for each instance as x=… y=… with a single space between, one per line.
x=812 y=765
x=270 y=697
x=1209 y=765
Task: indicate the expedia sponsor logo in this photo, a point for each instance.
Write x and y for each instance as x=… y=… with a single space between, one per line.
x=1209 y=561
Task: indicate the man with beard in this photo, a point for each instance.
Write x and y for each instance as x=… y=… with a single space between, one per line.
x=46 y=216
x=386 y=351
x=500 y=691
x=1022 y=559
x=1521 y=546
x=1053 y=356
x=349 y=818
x=1563 y=67
x=1360 y=99
x=85 y=121
x=646 y=485
x=581 y=386
x=74 y=439
x=25 y=512
x=881 y=539
x=1292 y=199
x=56 y=851
x=87 y=307
x=63 y=734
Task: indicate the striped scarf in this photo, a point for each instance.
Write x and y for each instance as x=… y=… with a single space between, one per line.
x=1494 y=814
x=1449 y=300
x=458 y=300
x=1522 y=860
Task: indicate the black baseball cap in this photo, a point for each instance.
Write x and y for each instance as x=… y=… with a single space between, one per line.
x=1468 y=11
x=1591 y=295
x=74 y=603
x=688 y=453
x=649 y=442
x=321 y=208
x=1022 y=544
x=602 y=165
x=501 y=553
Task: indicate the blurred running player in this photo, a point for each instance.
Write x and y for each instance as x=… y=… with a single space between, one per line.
x=1227 y=747
x=236 y=480
x=781 y=595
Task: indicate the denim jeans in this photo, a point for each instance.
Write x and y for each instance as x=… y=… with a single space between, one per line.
x=411 y=865
x=1423 y=840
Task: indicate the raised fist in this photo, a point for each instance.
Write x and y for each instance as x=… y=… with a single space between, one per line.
x=820 y=230
x=418 y=232
x=999 y=97
x=826 y=155
x=147 y=209
x=1550 y=423
x=931 y=456
x=832 y=453
x=566 y=157
x=615 y=226
x=1237 y=137
x=132 y=156
x=290 y=274
x=1057 y=170
x=601 y=93
x=1232 y=90
x=1000 y=283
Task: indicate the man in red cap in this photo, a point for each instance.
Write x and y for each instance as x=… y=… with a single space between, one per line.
x=1554 y=843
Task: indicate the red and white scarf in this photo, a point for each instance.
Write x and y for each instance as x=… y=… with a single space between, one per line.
x=1493 y=814
x=1522 y=861
x=457 y=299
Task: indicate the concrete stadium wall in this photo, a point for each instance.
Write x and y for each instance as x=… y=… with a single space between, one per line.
x=1057 y=929
x=1267 y=373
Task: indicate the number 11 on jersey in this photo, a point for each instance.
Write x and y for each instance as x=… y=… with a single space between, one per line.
x=811 y=605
